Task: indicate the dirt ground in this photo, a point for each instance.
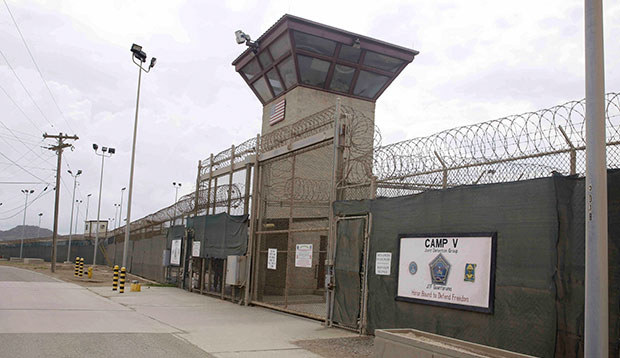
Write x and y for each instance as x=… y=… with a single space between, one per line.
x=102 y=275
x=354 y=347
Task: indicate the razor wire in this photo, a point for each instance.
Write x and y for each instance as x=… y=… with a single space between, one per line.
x=547 y=132
x=186 y=204
x=518 y=147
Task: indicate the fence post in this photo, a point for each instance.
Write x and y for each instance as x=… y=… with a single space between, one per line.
x=444 y=183
x=573 y=152
x=373 y=187
x=253 y=221
x=230 y=178
x=335 y=180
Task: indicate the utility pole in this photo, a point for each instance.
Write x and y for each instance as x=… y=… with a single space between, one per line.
x=58 y=148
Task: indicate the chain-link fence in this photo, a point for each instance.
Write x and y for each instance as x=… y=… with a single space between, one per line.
x=519 y=147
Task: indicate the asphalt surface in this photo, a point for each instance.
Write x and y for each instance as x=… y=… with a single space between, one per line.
x=41 y=316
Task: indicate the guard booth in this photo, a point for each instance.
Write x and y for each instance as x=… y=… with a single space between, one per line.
x=317 y=83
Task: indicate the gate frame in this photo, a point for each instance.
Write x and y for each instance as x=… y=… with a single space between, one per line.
x=362 y=321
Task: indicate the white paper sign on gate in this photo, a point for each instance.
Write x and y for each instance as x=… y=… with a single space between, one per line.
x=175 y=252
x=196 y=249
x=383 y=264
x=272 y=259
x=303 y=255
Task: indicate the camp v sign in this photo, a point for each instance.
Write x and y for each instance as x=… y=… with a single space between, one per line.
x=450 y=270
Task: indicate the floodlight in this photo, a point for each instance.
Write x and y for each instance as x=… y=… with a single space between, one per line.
x=104 y=149
x=111 y=150
x=356 y=43
x=69 y=171
x=31 y=191
x=153 y=60
x=79 y=171
x=138 y=53
x=95 y=146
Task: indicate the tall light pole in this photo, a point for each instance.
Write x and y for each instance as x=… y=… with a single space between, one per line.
x=596 y=325
x=136 y=54
x=39 y=230
x=176 y=196
x=21 y=246
x=72 y=207
x=77 y=215
x=103 y=155
x=116 y=206
x=120 y=214
x=87 y=203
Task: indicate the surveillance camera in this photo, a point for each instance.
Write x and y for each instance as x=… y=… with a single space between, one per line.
x=111 y=150
x=241 y=37
x=95 y=146
x=153 y=60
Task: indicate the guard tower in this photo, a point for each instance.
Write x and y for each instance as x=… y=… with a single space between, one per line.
x=308 y=65
x=311 y=147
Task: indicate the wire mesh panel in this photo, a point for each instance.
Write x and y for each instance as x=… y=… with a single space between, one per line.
x=292 y=233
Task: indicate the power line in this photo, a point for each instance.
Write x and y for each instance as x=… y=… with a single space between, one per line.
x=28 y=166
x=20 y=109
x=22 y=210
x=22 y=168
x=37 y=66
x=21 y=182
x=25 y=89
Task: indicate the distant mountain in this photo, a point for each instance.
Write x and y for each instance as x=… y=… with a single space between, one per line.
x=30 y=233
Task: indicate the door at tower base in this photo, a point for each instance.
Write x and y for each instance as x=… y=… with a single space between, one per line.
x=451 y=270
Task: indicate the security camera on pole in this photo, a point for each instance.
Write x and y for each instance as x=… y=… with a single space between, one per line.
x=72 y=207
x=105 y=152
x=140 y=56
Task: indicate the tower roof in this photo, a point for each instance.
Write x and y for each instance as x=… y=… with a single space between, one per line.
x=299 y=52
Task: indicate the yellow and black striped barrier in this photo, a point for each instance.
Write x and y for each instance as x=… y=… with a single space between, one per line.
x=121 y=288
x=115 y=279
x=77 y=266
x=81 y=271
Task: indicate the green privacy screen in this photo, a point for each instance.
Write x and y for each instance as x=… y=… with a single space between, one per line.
x=539 y=275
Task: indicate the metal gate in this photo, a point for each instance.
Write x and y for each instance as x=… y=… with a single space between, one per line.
x=350 y=272
x=292 y=231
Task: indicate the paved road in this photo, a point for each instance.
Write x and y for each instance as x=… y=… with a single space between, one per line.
x=44 y=317
x=41 y=316
x=13 y=274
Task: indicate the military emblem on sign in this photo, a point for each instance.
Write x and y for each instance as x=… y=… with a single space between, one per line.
x=470 y=272
x=440 y=269
x=413 y=267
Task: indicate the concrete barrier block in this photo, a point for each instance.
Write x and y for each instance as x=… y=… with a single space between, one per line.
x=31 y=260
x=16 y=259
x=393 y=343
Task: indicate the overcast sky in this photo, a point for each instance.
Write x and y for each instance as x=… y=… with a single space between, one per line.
x=479 y=60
